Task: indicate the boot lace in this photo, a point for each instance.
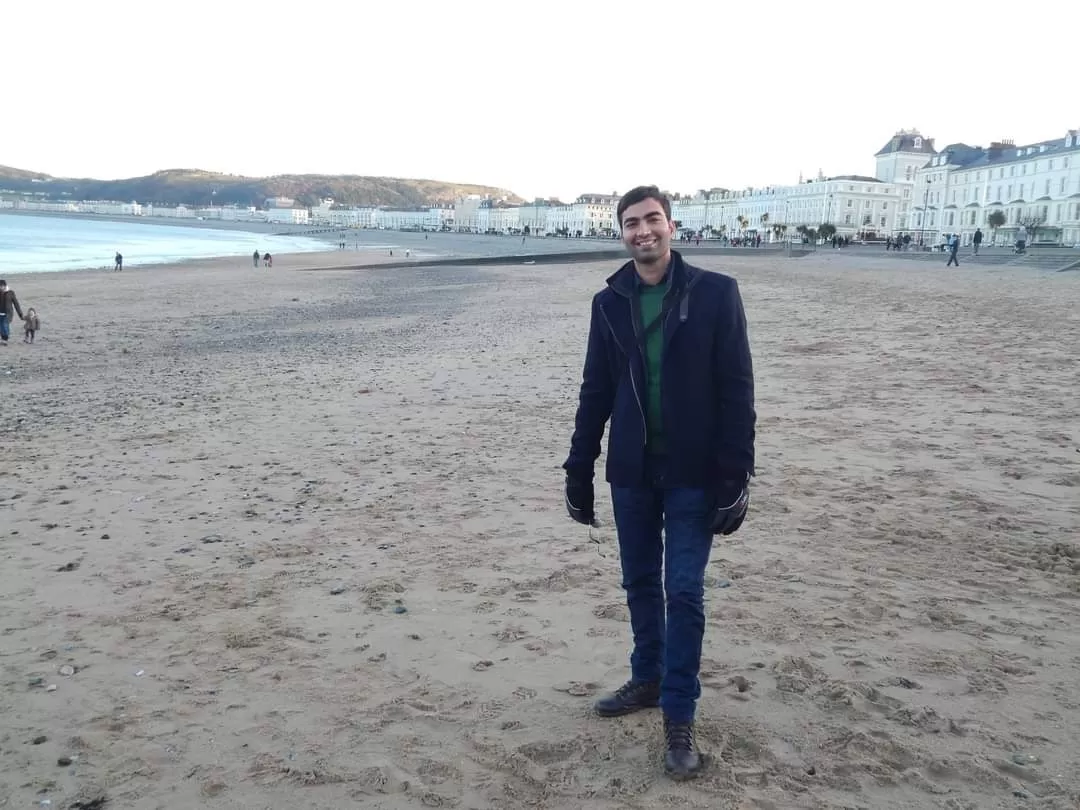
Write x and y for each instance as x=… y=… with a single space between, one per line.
x=630 y=690
x=680 y=735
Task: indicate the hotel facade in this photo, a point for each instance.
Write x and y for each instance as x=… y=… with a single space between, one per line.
x=1034 y=186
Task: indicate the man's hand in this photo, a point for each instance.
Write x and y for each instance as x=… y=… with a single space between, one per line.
x=579 y=499
x=732 y=501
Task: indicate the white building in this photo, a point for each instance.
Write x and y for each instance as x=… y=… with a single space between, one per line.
x=1036 y=186
x=505 y=218
x=853 y=204
x=351 y=217
x=420 y=218
x=132 y=209
x=466 y=216
x=594 y=214
x=899 y=161
x=560 y=219
x=534 y=216
x=288 y=216
x=692 y=213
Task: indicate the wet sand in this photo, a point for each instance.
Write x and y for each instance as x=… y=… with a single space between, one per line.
x=301 y=538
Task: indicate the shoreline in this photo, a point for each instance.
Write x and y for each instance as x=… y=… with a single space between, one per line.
x=362 y=243
x=313 y=260
x=260 y=228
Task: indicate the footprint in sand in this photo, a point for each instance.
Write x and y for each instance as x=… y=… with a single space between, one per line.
x=578 y=688
x=618 y=612
x=512 y=632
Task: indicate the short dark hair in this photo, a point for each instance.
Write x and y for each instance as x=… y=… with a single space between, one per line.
x=640 y=194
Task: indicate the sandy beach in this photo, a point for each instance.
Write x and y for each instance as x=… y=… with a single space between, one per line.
x=279 y=539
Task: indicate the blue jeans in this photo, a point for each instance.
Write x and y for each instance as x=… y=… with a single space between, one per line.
x=666 y=651
x=4 y=328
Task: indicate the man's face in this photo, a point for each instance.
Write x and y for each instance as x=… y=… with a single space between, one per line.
x=646 y=231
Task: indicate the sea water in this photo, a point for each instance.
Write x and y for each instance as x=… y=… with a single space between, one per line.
x=42 y=244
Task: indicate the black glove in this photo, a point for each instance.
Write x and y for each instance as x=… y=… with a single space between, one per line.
x=579 y=499
x=732 y=501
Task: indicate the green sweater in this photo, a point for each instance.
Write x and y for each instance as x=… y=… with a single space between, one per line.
x=652 y=300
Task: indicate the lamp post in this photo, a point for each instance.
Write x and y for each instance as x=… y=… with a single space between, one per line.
x=786 y=224
x=925 y=212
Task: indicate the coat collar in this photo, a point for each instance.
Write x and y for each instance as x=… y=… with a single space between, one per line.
x=624 y=281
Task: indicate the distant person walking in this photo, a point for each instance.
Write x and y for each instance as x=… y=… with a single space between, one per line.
x=119 y=263
x=9 y=306
x=268 y=260
x=954 y=248
x=1021 y=239
x=976 y=240
x=255 y=259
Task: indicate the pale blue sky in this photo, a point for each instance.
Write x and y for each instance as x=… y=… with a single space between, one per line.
x=545 y=98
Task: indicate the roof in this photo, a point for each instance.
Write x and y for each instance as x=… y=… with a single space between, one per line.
x=904 y=141
x=960 y=155
x=858 y=178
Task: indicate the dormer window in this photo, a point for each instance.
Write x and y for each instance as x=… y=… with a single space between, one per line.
x=918 y=143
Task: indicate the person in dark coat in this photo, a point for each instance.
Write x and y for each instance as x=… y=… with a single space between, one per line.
x=9 y=307
x=668 y=366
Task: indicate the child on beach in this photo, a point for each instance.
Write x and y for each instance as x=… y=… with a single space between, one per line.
x=31 y=323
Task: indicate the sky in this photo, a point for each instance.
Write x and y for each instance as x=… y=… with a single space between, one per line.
x=547 y=99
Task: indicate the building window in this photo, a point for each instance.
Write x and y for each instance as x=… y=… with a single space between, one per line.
x=884 y=206
x=1050 y=165
x=918 y=143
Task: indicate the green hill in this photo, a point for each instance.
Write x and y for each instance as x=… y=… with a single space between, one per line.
x=195 y=187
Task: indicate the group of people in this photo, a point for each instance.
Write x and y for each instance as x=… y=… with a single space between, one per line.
x=9 y=308
x=267 y=259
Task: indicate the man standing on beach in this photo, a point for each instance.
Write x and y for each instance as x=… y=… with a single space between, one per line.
x=9 y=305
x=668 y=361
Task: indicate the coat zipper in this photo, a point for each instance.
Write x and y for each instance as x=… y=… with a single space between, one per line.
x=633 y=382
